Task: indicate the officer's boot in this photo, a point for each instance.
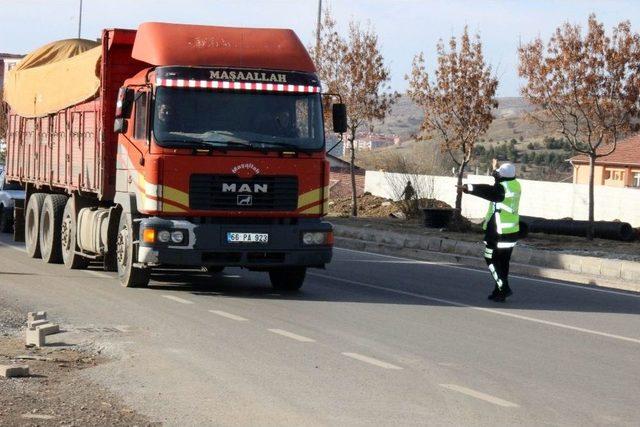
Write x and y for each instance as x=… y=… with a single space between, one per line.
x=495 y=292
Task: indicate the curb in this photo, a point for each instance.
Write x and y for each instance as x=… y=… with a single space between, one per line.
x=610 y=273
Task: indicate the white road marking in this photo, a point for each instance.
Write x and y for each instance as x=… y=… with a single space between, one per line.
x=231 y=276
x=99 y=274
x=228 y=315
x=478 y=270
x=177 y=299
x=371 y=361
x=14 y=247
x=486 y=310
x=479 y=395
x=291 y=335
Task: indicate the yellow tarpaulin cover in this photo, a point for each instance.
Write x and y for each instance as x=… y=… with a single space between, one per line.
x=53 y=77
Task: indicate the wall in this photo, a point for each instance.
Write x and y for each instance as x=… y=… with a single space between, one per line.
x=539 y=198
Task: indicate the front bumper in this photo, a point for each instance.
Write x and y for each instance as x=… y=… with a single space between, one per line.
x=207 y=245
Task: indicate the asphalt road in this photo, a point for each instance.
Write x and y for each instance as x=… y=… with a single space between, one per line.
x=372 y=340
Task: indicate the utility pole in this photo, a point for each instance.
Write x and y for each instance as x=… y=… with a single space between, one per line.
x=318 y=29
x=80 y=20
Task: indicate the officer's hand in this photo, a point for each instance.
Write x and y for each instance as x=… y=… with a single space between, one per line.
x=494 y=164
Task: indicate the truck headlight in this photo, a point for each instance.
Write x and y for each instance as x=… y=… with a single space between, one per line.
x=317 y=238
x=164 y=236
x=177 y=237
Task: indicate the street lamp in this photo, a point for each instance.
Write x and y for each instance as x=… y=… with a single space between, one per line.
x=80 y=20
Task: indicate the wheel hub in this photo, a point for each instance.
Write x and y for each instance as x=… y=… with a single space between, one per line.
x=121 y=247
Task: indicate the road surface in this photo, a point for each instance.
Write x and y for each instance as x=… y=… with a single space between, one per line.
x=372 y=340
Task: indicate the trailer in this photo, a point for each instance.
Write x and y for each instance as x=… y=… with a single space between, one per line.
x=173 y=145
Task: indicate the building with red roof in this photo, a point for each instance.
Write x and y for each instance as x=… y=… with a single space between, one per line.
x=619 y=169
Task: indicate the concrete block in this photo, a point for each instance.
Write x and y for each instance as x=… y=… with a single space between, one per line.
x=521 y=255
x=12 y=371
x=34 y=338
x=413 y=243
x=32 y=316
x=591 y=266
x=435 y=244
x=448 y=246
x=48 y=329
x=566 y=262
x=33 y=324
x=468 y=248
x=630 y=271
x=538 y=258
x=611 y=268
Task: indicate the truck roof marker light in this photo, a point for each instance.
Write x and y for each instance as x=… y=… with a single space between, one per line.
x=217 y=84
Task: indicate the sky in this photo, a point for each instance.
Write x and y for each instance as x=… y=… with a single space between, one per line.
x=405 y=27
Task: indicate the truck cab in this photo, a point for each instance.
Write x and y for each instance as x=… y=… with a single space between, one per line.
x=222 y=165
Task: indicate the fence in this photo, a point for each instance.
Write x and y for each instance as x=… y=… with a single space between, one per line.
x=539 y=198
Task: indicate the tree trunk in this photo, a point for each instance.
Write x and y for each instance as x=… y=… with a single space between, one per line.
x=352 y=170
x=592 y=170
x=459 y=195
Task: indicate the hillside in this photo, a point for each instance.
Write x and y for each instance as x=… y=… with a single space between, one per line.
x=510 y=122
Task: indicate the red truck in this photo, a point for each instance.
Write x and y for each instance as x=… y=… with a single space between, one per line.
x=201 y=146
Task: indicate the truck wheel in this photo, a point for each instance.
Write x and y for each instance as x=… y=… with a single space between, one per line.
x=290 y=279
x=72 y=260
x=32 y=224
x=50 y=224
x=6 y=219
x=126 y=255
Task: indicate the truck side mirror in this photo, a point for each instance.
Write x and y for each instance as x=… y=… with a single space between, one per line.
x=124 y=103
x=123 y=109
x=120 y=125
x=339 y=113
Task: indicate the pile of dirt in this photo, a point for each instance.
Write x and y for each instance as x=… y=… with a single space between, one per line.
x=370 y=206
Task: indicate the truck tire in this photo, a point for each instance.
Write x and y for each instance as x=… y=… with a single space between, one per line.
x=6 y=219
x=126 y=255
x=288 y=280
x=50 y=224
x=72 y=260
x=32 y=224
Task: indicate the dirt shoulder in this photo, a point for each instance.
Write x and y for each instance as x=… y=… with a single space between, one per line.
x=55 y=393
x=575 y=245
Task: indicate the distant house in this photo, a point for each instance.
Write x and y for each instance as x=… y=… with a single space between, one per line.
x=339 y=165
x=619 y=169
x=7 y=62
x=370 y=141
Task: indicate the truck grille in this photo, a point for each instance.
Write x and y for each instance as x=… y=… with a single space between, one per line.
x=260 y=193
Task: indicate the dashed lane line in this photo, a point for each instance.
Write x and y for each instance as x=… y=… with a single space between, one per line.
x=228 y=315
x=371 y=361
x=291 y=335
x=483 y=309
x=177 y=299
x=480 y=395
x=480 y=271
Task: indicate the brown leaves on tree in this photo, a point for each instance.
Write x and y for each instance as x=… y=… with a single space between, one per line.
x=458 y=103
x=355 y=69
x=587 y=86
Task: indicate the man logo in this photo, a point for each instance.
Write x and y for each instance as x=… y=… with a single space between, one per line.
x=245 y=200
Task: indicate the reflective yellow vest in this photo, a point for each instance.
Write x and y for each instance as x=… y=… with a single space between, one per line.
x=507 y=218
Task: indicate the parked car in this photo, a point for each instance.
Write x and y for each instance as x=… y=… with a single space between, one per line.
x=9 y=193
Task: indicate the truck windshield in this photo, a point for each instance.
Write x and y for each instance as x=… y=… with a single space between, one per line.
x=196 y=117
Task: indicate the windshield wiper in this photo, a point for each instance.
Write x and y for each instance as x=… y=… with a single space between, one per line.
x=292 y=147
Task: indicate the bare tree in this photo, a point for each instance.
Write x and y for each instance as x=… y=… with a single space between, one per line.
x=4 y=110
x=587 y=87
x=355 y=69
x=458 y=103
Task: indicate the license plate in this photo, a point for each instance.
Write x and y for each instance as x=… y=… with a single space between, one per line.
x=247 y=237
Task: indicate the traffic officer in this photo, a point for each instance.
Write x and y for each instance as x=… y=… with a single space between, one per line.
x=501 y=224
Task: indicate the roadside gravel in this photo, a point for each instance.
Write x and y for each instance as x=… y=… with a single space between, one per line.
x=55 y=394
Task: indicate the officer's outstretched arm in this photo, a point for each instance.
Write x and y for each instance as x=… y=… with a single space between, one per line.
x=492 y=193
